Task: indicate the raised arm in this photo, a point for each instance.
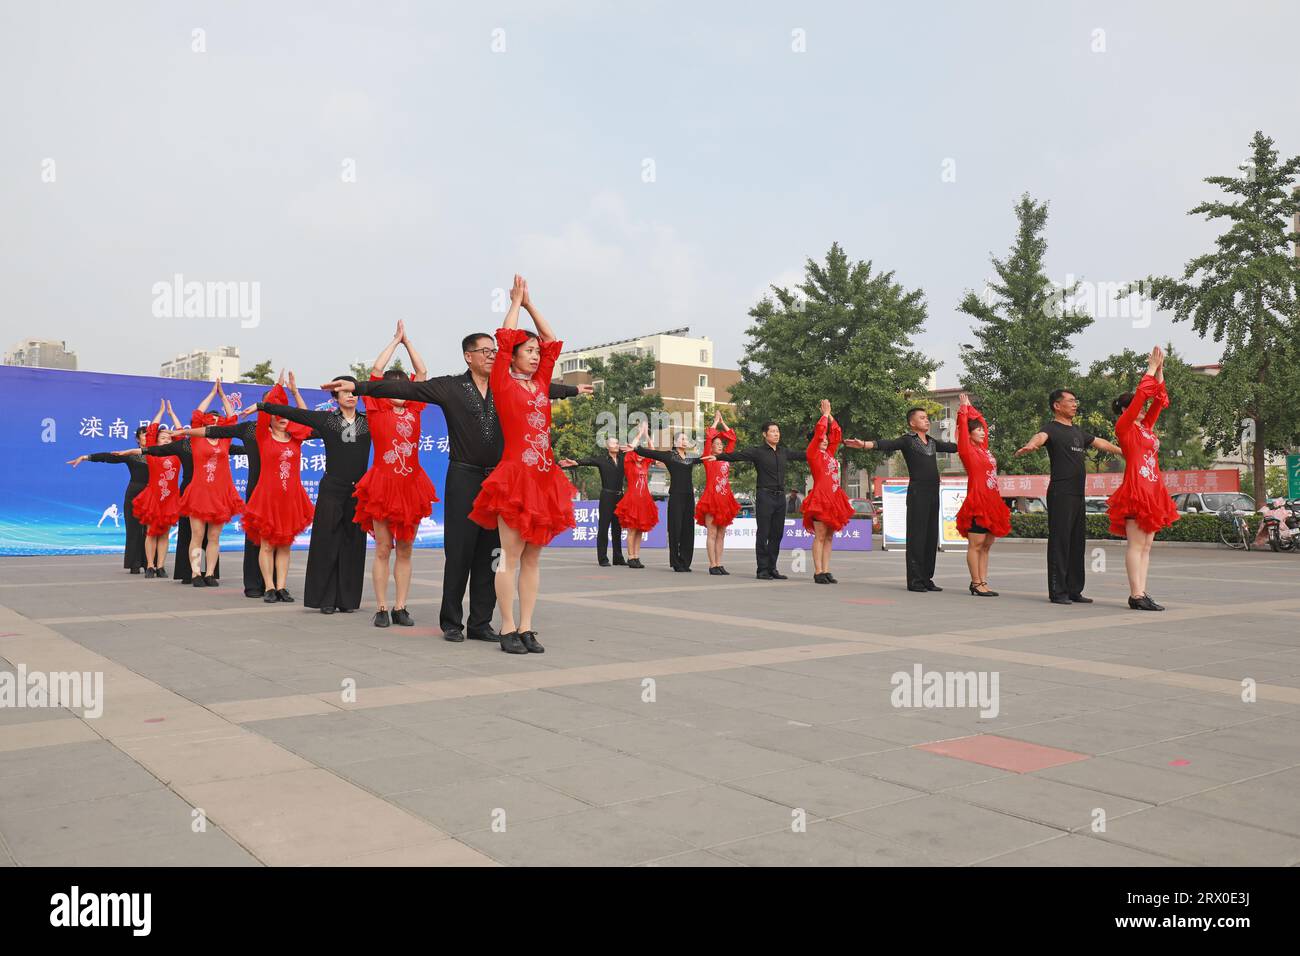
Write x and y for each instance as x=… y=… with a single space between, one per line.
x=162 y=407
x=1159 y=402
x=297 y=395
x=207 y=399
x=819 y=432
x=417 y=363
x=386 y=356
x=176 y=422
x=226 y=407
x=544 y=330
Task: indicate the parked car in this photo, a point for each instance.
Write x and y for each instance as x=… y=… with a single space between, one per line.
x=866 y=509
x=1095 y=504
x=1026 y=505
x=1204 y=502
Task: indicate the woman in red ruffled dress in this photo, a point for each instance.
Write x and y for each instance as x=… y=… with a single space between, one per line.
x=636 y=511
x=827 y=508
x=527 y=497
x=984 y=516
x=211 y=499
x=395 y=495
x=717 y=506
x=1141 y=505
x=279 y=508
x=158 y=506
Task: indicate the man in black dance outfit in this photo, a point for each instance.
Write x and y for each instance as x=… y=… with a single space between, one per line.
x=769 y=460
x=1067 y=527
x=610 y=465
x=919 y=451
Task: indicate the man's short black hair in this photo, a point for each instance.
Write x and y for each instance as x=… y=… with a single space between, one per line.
x=395 y=374
x=469 y=341
x=343 y=378
x=766 y=426
x=912 y=411
x=1056 y=396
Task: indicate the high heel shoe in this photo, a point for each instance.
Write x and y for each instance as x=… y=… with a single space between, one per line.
x=975 y=589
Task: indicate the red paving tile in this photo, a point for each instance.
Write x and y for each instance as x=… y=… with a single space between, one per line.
x=1004 y=753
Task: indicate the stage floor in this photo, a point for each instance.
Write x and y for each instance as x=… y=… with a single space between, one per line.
x=772 y=736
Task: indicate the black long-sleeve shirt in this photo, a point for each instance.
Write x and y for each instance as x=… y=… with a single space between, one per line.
x=769 y=462
x=472 y=424
x=922 y=468
x=347 y=446
x=680 y=478
x=246 y=432
x=611 y=471
x=138 y=467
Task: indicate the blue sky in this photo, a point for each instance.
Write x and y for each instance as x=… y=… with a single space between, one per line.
x=472 y=164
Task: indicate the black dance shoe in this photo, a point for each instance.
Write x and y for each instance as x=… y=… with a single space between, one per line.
x=715 y=570
x=619 y=559
x=254 y=593
x=160 y=571
x=148 y=572
x=1080 y=599
x=135 y=570
x=382 y=619
x=210 y=582
x=917 y=587
x=603 y=562
x=1060 y=599
x=830 y=578
x=529 y=640
x=931 y=586
x=778 y=576
x=722 y=570
x=284 y=596
x=456 y=637
x=197 y=581
x=1143 y=603
x=483 y=636
x=820 y=578
x=345 y=610
x=328 y=610
x=975 y=590
x=511 y=644
x=764 y=576
x=402 y=617
x=270 y=597
x=1158 y=607
x=636 y=563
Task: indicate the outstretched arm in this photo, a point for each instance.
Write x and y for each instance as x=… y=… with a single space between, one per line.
x=1035 y=443
x=1108 y=447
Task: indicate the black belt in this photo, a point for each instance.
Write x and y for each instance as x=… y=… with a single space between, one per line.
x=466 y=466
x=772 y=491
x=611 y=491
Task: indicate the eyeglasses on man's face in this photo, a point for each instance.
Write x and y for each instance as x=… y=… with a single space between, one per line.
x=488 y=352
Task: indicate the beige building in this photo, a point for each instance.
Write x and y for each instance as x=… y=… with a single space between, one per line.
x=205 y=365
x=685 y=374
x=38 y=353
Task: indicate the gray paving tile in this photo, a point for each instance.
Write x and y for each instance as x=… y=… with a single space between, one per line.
x=824 y=790
x=919 y=769
x=1203 y=840
x=87 y=824
x=824 y=843
x=1075 y=850
x=723 y=759
x=707 y=816
x=617 y=779
x=415 y=771
x=595 y=837
x=1046 y=801
x=1122 y=778
x=470 y=804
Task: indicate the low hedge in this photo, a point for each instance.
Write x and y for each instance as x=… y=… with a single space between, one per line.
x=1188 y=527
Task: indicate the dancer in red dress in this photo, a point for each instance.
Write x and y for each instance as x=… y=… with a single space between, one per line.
x=395 y=495
x=636 y=511
x=158 y=506
x=717 y=506
x=1141 y=505
x=827 y=508
x=211 y=498
x=528 y=498
x=279 y=508
x=984 y=516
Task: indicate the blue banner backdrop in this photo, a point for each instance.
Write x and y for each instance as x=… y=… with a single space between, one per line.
x=53 y=416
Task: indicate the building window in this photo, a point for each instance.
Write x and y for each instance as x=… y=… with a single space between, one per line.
x=704 y=356
x=704 y=381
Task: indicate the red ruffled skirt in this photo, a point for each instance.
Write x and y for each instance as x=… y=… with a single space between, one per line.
x=831 y=508
x=536 y=504
x=211 y=501
x=277 y=517
x=991 y=513
x=637 y=512
x=1146 y=502
x=401 y=501
x=156 y=515
x=722 y=506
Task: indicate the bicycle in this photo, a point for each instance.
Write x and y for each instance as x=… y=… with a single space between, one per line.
x=1233 y=530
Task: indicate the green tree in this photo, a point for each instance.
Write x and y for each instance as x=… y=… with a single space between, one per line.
x=259 y=374
x=1245 y=294
x=1182 y=444
x=844 y=334
x=1022 y=350
x=361 y=370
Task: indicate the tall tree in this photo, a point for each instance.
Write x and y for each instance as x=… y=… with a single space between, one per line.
x=361 y=370
x=259 y=374
x=1245 y=294
x=845 y=336
x=1022 y=350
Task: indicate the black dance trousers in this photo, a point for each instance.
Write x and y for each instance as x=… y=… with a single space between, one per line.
x=336 y=559
x=469 y=550
x=922 y=533
x=133 y=554
x=609 y=529
x=681 y=530
x=769 y=512
x=1067 y=535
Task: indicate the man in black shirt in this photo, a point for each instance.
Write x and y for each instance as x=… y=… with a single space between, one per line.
x=336 y=557
x=476 y=448
x=610 y=465
x=919 y=451
x=681 y=501
x=769 y=460
x=1067 y=526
